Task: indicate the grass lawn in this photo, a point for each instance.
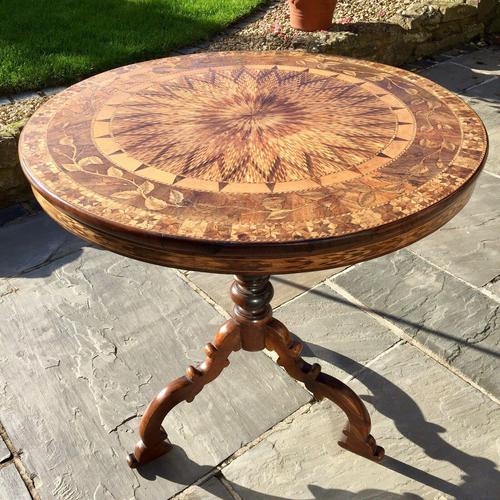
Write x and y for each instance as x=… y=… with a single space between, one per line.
x=52 y=42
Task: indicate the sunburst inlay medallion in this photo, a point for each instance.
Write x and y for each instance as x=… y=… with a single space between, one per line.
x=254 y=128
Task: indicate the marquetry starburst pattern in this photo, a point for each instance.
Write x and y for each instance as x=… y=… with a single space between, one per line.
x=253 y=147
x=251 y=128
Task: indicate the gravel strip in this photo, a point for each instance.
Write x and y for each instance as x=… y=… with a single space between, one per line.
x=370 y=11
x=273 y=31
x=19 y=110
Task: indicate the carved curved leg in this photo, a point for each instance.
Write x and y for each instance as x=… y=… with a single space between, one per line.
x=252 y=328
x=154 y=441
x=356 y=434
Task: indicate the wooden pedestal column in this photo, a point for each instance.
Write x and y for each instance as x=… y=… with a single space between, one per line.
x=253 y=328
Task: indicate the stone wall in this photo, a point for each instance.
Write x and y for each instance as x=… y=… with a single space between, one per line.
x=14 y=187
x=444 y=24
x=425 y=29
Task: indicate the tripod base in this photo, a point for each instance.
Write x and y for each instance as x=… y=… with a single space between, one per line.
x=253 y=328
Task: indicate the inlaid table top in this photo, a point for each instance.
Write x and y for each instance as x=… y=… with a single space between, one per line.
x=253 y=162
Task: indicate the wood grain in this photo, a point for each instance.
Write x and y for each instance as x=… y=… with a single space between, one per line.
x=356 y=435
x=154 y=440
x=253 y=328
x=268 y=259
x=190 y=161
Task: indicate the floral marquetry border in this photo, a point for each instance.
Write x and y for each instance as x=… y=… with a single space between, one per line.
x=70 y=153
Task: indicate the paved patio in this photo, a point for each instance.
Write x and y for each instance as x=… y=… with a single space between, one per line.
x=88 y=337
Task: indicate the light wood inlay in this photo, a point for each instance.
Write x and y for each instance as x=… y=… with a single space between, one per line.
x=253 y=149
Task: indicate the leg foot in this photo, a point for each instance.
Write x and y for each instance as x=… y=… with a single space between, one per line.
x=144 y=454
x=366 y=447
x=154 y=441
x=356 y=434
x=253 y=328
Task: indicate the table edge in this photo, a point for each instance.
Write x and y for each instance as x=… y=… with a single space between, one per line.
x=266 y=258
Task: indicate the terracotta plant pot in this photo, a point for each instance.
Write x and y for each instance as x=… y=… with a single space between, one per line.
x=311 y=15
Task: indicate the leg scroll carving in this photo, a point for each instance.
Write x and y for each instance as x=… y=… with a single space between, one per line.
x=154 y=440
x=253 y=328
x=356 y=434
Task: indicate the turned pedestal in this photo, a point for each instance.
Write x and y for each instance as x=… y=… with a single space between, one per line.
x=253 y=328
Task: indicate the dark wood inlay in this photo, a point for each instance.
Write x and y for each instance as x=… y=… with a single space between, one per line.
x=229 y=149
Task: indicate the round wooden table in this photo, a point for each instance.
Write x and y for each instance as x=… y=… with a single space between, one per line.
x=253 y=164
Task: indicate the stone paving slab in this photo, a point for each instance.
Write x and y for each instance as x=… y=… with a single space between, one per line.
x=85 y=344
x=458 y=323
x=494 y=287
x=286 y=287
x=439 y=434
x=485 y=100
x=455 y=77
x=4 y=451
x=9 y=214
x=33 y=241
x=210 y=490
x=469 y=245
x=12 y=486
x=6 y=288
x=476 y=76
x=343 y=336
x=485 y=60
